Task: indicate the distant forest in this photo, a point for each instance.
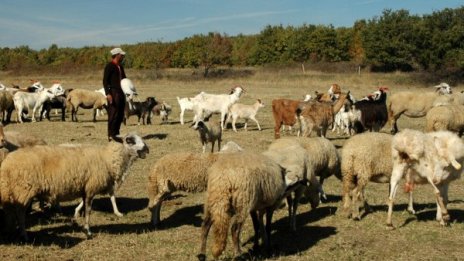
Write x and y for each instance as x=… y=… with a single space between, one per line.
x=393 y=41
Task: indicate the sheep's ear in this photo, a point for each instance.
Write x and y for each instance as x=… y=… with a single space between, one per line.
x=130 y=140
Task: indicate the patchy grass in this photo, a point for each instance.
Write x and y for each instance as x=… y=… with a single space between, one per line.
x=322 y=233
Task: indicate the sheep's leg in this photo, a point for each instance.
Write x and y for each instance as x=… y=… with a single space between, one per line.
x=441 y=199
x=95 y=115
x=21 y=215
x=236 y=229
x=246 y=124
x=115 y=207
x=204 y=147
x=205 y=227
x=322 y=194
x=255 y=220
x=267 y=234
x=212 y=146
x=77 y=210
x=411 y=203
x=397 y=175
x=290 y=209
x=296 y=200
x=88 y=209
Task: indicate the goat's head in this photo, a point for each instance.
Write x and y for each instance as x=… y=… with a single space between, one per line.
x=237 y=90
x=443 y=88
x=36 y=86
x=260 y=103
x=151 y=102
x=334 y=89
x=136 y=145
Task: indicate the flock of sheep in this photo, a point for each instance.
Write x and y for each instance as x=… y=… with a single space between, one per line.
x=239 y=183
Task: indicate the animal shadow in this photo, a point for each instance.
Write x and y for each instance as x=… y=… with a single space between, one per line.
x=125 y=205
x=184 y=216
x=159 y=136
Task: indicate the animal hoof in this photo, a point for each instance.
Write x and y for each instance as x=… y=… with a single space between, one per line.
x=201 y=257
x=119 y=214
x=390 y=227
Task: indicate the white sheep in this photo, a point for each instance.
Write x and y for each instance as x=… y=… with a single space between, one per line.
x=85 y=99
x=240 y=184
x=60 y=173
x=206 y=104
x=244 y=111
x=435 y=158
x=365 y=158
x=294 y=158
x=416 y=104
x=323 y=157
x=448 y=117
x=183 y=171
x=210 y=132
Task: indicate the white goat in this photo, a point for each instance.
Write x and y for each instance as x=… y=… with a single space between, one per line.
x=243 y=111
x=185 y=104
x=206 y=103
x=33 y=101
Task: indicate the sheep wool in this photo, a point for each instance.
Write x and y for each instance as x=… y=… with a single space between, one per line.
x=448 y=117
x=239 y=184
x=60 y=173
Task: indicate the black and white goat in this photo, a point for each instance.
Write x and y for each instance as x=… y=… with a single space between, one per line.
x=141 y=109
x=372 y=113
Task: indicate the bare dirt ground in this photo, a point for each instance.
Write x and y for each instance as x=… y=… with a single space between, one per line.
x=322 y=234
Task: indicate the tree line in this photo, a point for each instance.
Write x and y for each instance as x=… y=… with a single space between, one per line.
x=395 y=40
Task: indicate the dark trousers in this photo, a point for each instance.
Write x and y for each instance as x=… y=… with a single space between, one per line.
x=116 y=113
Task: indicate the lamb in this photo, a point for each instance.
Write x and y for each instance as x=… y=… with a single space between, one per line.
x=448 y=117
x=163 y=110
x=85 y=99
x=210 y=132
x=59 y=173
x=243 y=111
x=416 y=104
x=435 y=158
x=215 y=103
x=319 y=116
x=184 y=171
x=141 y=109
x=365 y=157
x=295 y=159
x=240 y=184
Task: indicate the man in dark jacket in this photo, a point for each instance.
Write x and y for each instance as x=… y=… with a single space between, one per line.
x=113 y=74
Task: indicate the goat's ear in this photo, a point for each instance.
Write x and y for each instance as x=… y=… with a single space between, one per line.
x=130 y=140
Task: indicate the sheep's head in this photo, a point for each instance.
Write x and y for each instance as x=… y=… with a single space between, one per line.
x=443 y=88
x=136 y=145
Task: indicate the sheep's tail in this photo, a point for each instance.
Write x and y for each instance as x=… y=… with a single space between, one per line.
x=221 y=216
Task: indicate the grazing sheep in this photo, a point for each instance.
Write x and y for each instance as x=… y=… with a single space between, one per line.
x=365 y=157
x=324 y=160
x=319 y=116
x=435 y=158
x=86 y=99
x=209 y=132
x=295 y=159
x=416 y=104
x=448 y=117
x=240 y=184
x=243 y=111
x=141 y=109
x=184 y=171
x=60 y=173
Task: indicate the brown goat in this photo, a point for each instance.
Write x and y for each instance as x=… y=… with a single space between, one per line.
x=320 y=115
x=285 y=112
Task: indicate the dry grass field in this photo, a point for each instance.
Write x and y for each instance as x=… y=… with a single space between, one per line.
x=322 y=233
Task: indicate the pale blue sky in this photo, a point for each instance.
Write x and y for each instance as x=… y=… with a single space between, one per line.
x=78 y=23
